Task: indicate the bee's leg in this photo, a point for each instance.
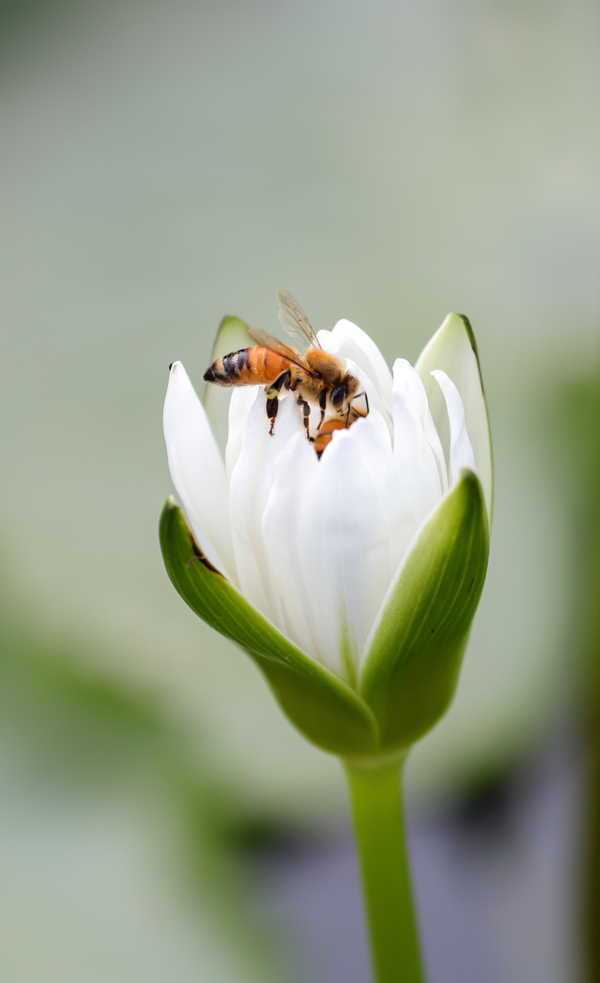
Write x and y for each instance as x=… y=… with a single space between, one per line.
x=282 y=381
x=323 y=405
x=272 y=407
x=305 y=414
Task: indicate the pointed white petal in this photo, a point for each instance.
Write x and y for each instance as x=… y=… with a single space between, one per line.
x=417 y=448
x=197 y=470
x=348 y=341
x=351 y=539
x=389 y=491
x=452 y=350
x=283 y=534
x=242 y=399
x=461 y=451
x=248 y=493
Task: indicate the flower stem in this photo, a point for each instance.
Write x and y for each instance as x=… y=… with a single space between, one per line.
x=375 y=792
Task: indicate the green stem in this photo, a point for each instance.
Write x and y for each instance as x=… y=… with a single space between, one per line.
x=375 y=792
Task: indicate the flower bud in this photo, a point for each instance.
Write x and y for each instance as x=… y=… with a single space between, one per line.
x=351 y=576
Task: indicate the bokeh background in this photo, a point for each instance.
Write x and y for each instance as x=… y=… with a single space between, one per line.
x=163 y=165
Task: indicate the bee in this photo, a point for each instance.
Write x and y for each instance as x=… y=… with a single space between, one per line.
x=315 y=377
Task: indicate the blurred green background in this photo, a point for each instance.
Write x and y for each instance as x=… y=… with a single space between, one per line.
x=164 y=165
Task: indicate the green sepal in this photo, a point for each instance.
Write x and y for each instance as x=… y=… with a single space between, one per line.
x=322 y=706
x=411 y=669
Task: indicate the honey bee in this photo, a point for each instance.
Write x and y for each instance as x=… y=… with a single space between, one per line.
x=314 y=376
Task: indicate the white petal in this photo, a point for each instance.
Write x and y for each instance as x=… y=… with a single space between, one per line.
x=248 y=494
x=451 y=350
x=372 y=399
x=351 y=541
x=461 y=451
x=417 y=448
x=197 y=470
x=283 y=535
x=242 y=399
x=388 y=490
x=348 y=341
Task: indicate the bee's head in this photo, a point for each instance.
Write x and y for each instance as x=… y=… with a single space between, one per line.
x=343 y=393
x=339 y=396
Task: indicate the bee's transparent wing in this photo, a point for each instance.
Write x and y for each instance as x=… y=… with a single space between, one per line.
x=294 y=321
x=275 y=345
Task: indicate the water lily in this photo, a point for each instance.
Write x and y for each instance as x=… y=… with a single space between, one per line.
x=351 y=578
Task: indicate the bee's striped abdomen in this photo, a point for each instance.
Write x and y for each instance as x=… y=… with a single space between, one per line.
x=229 y=369
x=247 y=367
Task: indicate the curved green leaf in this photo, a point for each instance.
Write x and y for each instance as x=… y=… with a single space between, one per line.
x=412 y=666
x=322 y=706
